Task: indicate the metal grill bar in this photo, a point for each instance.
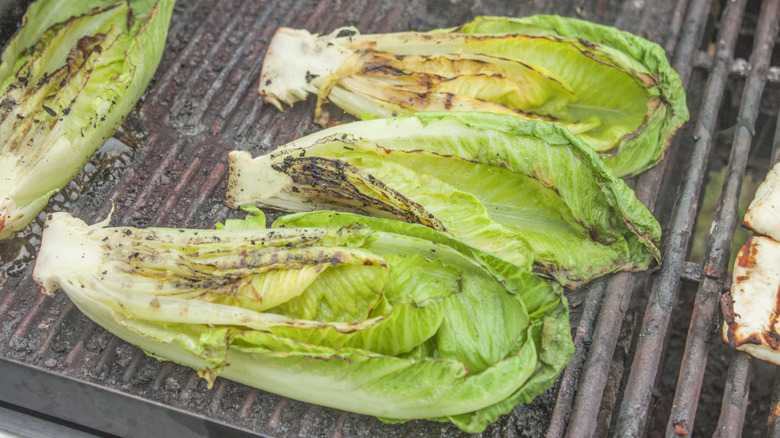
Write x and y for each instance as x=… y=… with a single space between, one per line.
x=571 y=375
x=585 y=412
x=674 y=29
x=704 y=318
x=735 y=397
x=690 y=39
x=584 y=419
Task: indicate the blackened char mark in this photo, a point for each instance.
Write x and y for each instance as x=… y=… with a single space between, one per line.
x=335 y=181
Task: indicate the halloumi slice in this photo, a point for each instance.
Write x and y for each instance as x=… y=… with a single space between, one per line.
x=752 y=308
x=763 y=214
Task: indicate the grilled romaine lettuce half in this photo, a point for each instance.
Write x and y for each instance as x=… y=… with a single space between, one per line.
x=67 y=79
x=369 y=315
x=615 y=90
x=529 y=192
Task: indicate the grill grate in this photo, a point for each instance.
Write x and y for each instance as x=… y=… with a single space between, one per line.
x=703 y=318
x=168 y=168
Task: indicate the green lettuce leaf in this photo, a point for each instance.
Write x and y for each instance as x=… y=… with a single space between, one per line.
x=530 y=192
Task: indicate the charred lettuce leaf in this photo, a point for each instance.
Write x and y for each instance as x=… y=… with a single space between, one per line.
x=369 y=315
x=529 y=192
x=614 y=90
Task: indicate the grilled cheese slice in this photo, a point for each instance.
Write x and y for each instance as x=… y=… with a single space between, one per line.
x=752 y=308
x=763 y=214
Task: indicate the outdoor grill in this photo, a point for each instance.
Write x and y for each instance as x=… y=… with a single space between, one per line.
x=648 y=359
